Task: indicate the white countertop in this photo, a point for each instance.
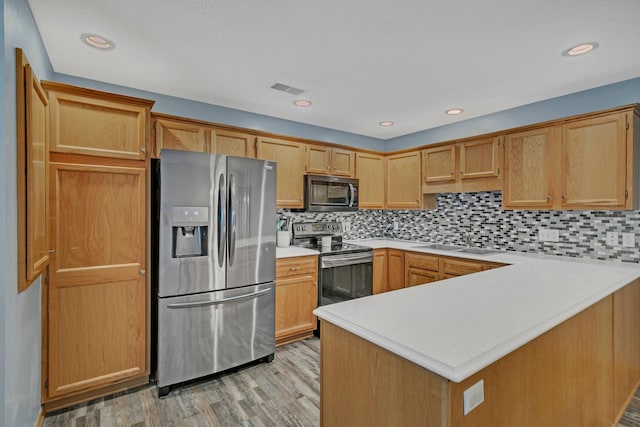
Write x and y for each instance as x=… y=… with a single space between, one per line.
x=291 y=251
x=457 y=327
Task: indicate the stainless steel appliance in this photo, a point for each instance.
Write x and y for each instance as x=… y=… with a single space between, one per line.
x=330 y=193
x=344 y=269
x=216 y=264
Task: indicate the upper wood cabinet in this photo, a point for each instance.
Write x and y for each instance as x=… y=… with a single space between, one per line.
x=582 y=164
x=85 y=121
x=370 y=172
x=232 y=143
x=529 y=168
x=403 y=188
x=181 y=135
x=289 y=157
x=33 y=173
x=324 y=160
x=594 y=162
x=465 y=166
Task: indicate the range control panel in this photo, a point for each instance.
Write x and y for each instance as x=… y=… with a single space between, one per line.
x=302 y=229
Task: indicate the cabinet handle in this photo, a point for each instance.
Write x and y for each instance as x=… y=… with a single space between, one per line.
x=294 y=268
x=548 y=198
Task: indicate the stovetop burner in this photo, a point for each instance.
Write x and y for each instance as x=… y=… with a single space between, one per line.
x=310 y=235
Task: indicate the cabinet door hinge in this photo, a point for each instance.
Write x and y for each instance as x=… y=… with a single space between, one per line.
x=627 y=126
x=498 y=171
x=626 y=194
x=46 y=383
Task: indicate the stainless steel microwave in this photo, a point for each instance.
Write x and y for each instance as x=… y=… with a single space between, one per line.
x=330 y=193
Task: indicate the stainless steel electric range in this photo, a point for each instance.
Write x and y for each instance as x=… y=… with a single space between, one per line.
x=344 y=269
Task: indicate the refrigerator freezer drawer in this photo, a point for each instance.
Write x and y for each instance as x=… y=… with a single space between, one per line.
x=207 y=333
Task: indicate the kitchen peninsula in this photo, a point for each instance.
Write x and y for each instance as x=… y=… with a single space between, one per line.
x=545 y=341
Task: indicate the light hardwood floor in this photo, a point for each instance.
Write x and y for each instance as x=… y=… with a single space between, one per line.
x=282 y=393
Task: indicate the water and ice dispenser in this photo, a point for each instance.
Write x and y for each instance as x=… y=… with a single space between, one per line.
x=190 y=226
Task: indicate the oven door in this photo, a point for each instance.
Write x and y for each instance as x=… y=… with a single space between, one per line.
x=345 y=276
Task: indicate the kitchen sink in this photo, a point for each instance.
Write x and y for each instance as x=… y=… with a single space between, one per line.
x=478 y=251
x=440 y=247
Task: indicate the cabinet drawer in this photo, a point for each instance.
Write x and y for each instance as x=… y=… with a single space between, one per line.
x=296 y=266
x=418 y=276
x=424 y=262
x=456 y=267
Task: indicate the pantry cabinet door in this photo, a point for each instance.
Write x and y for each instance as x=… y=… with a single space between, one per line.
x=97 y=322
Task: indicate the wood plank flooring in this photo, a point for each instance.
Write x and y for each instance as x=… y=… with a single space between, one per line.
x=282 y=393
x=285 y=392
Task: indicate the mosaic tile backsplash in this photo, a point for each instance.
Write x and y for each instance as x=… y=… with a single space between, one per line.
x=479 y=217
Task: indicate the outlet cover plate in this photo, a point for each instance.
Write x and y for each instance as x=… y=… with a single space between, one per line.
x=473 y=396
x=629 y=240
x=612 y=238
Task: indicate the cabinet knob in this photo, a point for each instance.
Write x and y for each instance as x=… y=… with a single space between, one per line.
x=548 y=198
x=294 y=268
x=142 y=272
x=461 y=172
x=564 y=197
x=328 y=167
x=52 y=251
x=451 y=173
x=335 y=167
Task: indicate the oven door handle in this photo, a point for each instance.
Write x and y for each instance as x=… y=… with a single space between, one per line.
x=346 y=259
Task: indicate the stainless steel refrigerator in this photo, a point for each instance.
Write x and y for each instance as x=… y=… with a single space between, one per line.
x=216 y=264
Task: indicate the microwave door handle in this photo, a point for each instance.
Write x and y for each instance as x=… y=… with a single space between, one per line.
x=222 y=220
x=351 y=192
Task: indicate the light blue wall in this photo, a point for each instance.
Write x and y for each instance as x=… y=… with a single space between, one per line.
x=20 y=314
x=600 y=98
x=217 y=114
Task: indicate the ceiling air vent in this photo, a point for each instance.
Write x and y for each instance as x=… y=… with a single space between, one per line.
x=287 y=88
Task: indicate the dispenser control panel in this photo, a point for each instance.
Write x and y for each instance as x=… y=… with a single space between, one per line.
x=190 y=215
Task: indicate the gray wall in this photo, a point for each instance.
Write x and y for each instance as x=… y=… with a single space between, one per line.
x=20 y=314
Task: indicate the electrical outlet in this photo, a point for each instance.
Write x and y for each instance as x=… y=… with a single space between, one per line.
x=612 y=238
x=395 y=225
x=473 y=396
x=629 y=240
x=548 y=235
x=347 y=226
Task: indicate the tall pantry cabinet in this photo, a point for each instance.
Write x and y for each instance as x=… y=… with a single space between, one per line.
x=96 y=304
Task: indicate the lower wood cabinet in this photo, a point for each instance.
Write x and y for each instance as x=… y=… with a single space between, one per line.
x=380 y=271
x=451 y=267
x=296 y=298
x=395 y=277
x=420 y=269
x=96 y=326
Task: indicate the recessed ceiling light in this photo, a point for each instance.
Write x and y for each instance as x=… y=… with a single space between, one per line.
x=386 y=123
x=454 y=111
x=580 y=49
x=302 y=103
x=97 y=41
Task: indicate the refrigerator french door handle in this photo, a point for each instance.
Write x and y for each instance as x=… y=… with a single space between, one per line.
x=232 y=219
x=222 y=220
x=216 y=302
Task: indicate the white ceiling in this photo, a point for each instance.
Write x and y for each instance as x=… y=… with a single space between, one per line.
x=360 y=61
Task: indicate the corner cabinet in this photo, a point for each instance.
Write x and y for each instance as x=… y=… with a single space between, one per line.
x=296 y=298
x=403 y=188
x=289 y=157
x=84 y=121
x=589 y=163
x=181 y=135
x=370 y=172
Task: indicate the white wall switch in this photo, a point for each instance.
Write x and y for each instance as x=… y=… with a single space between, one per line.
x=629 y=240
x=612 y=238
x=473 y=396
x=395 y=225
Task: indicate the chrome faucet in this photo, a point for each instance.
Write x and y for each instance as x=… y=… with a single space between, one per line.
x=467 y=239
